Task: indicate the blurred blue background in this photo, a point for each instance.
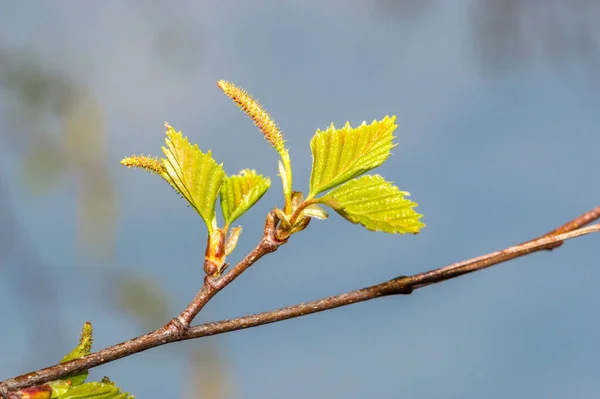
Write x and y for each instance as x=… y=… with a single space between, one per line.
x=499 y=130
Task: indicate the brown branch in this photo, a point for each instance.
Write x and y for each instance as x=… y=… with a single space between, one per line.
x=400 y=285
x=574 y=224
x=403 y=285
x=269 y=243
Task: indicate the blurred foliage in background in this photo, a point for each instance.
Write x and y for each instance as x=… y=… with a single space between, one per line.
x=57 y=128
x=509 y=34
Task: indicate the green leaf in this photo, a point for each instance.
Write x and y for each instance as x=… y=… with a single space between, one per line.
x=83 y=348
x=343 y=154
x=59 y=387
x=193 y=174
x=96 y=390
x=240 y=192
x=376 y=204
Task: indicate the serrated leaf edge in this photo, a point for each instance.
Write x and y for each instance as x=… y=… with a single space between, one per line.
x=323 y=140
x=334 y=202
x=237 y=199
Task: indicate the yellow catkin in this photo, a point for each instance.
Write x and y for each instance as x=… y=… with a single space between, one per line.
x=254 y=110
x=150 y=164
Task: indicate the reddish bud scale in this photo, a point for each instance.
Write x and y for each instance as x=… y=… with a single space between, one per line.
x=214 y=257
x=39 y=392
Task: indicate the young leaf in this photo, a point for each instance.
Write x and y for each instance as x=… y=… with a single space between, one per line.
x=83 y=348
x=96 y=390
x=59 y=387
x=240 y=192
x=193 y=174
x=342 y=154
x=376 y=204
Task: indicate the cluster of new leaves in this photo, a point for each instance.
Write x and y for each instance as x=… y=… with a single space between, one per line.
x=200 y=180
x=74 y=385
x=340 y=156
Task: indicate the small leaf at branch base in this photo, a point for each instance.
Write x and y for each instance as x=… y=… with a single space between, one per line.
x=104 y=390
x=193 y=174
x=376 y=204
x=83 y=348
x=59 y=387
x=343 y=154
x=240 y=192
